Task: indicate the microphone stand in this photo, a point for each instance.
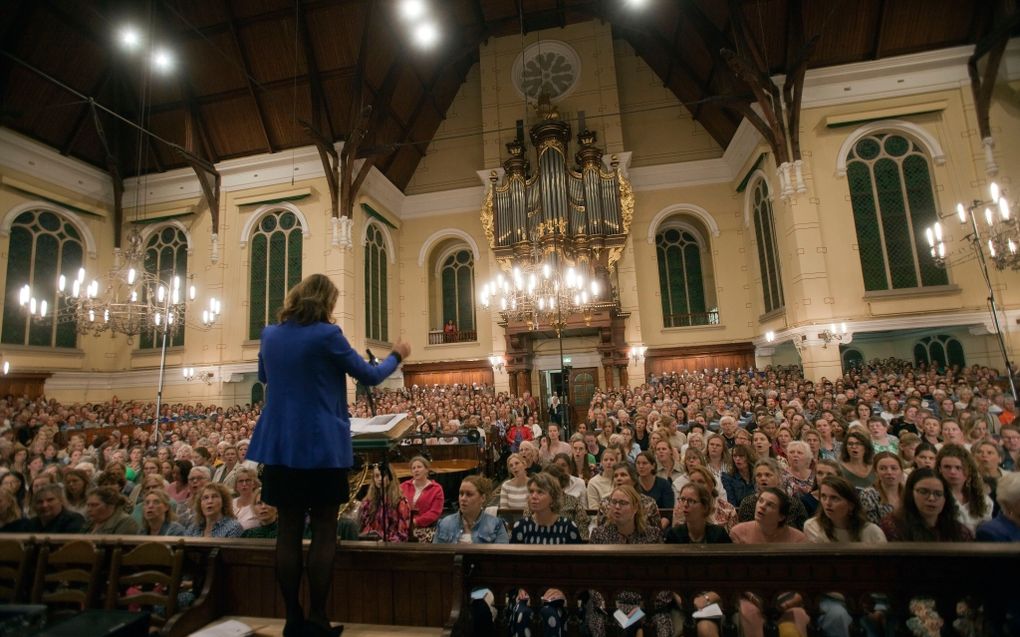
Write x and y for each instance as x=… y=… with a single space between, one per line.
x=384 y=466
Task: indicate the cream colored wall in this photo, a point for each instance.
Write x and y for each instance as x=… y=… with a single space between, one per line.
x=455 y=152
x=651 y=114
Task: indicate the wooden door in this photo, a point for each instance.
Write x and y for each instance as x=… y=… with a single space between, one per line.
x=581 y=386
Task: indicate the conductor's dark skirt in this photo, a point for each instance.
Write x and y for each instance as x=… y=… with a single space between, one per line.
x=287 y=487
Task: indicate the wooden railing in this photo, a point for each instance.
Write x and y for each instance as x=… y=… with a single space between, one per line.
x=428 y=585
x=691 y=320
x=438 y=337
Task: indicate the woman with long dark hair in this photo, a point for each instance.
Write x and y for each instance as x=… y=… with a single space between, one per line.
x=385 y=511
x=928 y=512
x=855 y=459
x=303 y=439
x=841 y=516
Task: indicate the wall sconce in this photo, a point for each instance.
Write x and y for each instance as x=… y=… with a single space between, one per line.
x=770 y=337
x=497 y=362
x=190 y=374
x=637 y=352
x=833 y=334
x=6 y=367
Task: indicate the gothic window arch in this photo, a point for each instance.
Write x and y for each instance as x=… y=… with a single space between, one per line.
x=275 y=246
x=452 y=287
x=768 y=251
x=940 y=351
x=166 y=257
x=376 y=285
x=852 y=358
x=686 y=281
x=893 y=199
x=44 y=243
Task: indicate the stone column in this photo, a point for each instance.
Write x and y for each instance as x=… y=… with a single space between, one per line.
x=820 y=361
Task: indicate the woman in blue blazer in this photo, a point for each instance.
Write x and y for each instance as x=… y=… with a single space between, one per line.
x=303 y=438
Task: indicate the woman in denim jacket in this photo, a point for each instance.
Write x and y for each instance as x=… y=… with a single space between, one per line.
x=471 y=524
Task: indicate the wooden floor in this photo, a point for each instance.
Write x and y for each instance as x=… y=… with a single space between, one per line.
x=271 y=627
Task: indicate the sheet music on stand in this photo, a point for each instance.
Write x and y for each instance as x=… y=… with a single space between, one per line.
x=382 y=427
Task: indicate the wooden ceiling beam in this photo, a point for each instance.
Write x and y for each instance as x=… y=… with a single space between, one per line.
x=217 y=28
x=246 y=67
x=320 y=108
x=86 y=111
x=876 y=43
x=358 y=94
x=234 y=93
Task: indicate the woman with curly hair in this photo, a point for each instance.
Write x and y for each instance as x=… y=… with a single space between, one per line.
x=384 y=511
x=214 y=513
x=928 y=512
x=957 y=467
x=738 y=481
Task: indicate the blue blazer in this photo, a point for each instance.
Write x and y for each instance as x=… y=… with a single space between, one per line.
x=305 y=423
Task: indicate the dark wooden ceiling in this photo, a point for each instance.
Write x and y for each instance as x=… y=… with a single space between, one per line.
x=250 y=71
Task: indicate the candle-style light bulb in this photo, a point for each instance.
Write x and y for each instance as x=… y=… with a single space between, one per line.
x=61 y=283
x=192 y=293
x=993 y=190
x=961 y=212
x=131 y=276
x=1004 y=209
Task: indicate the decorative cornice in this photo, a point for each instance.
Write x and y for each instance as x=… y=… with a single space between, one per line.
x=30 y=157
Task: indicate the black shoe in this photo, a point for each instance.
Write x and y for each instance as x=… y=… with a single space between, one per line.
x=295 y=628
x=317 y=630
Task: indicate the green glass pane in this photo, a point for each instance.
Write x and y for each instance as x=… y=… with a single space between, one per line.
x=18 y=266
x=695 y=283
x=268 y=223
x=449 y=283
x=465 y=300
x=44 y=284
x=869 y=241
x=921 y=197
x=867 y=148
x=759 y=235
x=277 y=281
x=168 y=234
x=920 y=355
x=896 y=145
x=898 y=243
x=369 y=291
x=938 y=354
x=287 y=220
x=679 y=303
x=71 y=260
x=49 y=221
x=671 y=235
x=257 y=288
x=775 y=272
x=954 y=352
x=258 y=393
x=660 y=258
x=294 y=247
x=384 y=314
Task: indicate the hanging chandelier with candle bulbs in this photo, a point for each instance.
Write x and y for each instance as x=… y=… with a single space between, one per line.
x=128 y=300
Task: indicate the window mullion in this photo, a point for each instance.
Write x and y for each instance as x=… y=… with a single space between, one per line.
x=878 y=222
x=910 y=223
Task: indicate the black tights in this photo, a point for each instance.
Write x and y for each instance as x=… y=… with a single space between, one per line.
x=320 y=560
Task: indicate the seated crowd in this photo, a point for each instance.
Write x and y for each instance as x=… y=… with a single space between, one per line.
x=888 y=452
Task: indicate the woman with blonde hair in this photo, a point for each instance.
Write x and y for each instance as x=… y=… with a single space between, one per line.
x=883 y=497
x=513 y=493
x=246 y=481
x=384 y=512
x=214 y=513
x=158 y=516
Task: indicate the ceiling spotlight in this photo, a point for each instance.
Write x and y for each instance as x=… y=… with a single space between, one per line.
x=426 y=34
x=412 y=9
x=130 y=38
x=636 y=4
x=162 y=60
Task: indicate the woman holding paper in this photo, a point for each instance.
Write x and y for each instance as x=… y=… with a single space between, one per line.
x=303 y=438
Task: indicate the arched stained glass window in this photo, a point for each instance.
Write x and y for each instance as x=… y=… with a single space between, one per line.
x=166 y=256
x=940 y=351
x=681 y=282
x=893 y=200
x=376 y=303
x=275 y=246
x=458 y=283
x=768 y=252
x=43 y=245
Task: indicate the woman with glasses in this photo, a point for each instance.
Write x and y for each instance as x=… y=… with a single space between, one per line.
x=696 y=505
x=855 y=459
x=384 y=512
x=928 y=512
x=245 y=483
x=738 y=481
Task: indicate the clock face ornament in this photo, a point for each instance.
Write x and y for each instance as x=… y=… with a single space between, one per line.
x=548 y=67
